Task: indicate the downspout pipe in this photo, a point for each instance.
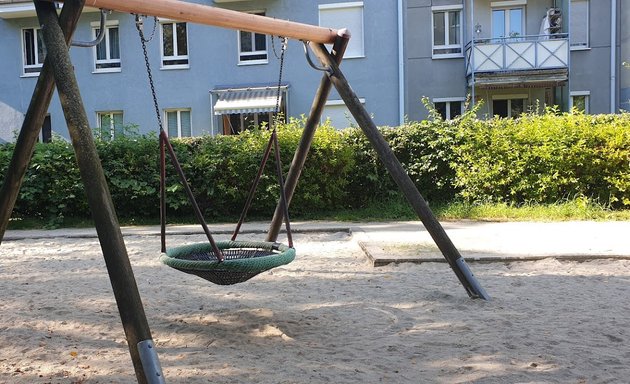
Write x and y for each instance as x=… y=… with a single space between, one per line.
x=613 y=56
x=401 y=64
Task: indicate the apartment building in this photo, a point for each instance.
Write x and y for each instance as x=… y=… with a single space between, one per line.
x=208 y=80
x=516 y=55
x=508 y=56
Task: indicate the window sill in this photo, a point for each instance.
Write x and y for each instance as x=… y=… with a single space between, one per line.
x=448 y=56
x=253 y=62
x=579 y=48
x=33 y=74
x=109 y=70
x=169 y=67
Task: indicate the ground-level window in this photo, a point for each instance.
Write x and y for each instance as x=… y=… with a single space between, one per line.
x=174 y=47
x=338 y=115
x=110 y=125
x=107 y=52
x=449 y=108
x=235 y=123
x=252 y=47
x=580 y=101
x=33 y=49
x=510 y=106
x=244 y=108
x=178 y=123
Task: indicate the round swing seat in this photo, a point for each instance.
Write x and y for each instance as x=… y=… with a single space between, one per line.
x=242 y=260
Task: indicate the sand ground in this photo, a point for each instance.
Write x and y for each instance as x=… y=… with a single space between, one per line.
x=328 y=317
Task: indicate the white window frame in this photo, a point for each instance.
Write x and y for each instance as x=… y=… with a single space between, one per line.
x=509 y=98
x=449 y=101
x=112 y=128
x=109 y=24
x=242 y=54
x=587 y=101
x=164 y=58
x=39 y=62
x=356 y=42
x=447 y=9
x=511 y=6
x=587 y=45
x=179 y=120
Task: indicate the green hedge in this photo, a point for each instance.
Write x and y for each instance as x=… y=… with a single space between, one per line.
x=545 y=158
x=536 y=158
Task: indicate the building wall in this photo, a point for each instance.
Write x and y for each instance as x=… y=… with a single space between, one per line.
x=213 y=59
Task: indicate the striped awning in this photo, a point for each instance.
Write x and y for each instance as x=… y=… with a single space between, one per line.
x=251 y=100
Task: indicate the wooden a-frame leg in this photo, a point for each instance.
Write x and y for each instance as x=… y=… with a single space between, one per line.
x=400 y=176
x=121 y=276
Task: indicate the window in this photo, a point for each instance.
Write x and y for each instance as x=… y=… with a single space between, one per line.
x=178 y=123
x=246 y=108
x=578 y=24
x=448 y=108
x=252 y=47
x=338 y=114
x=110 y=125
x=580 y=100
x=447 y=32
x=235 y=123
x=107 y=52
x=345 y=15
x=509 y=106
x=507 y=23
x=34 y=51
x=174 y=47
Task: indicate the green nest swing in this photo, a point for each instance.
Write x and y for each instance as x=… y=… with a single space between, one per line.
x=242 y=260
x=221 y=262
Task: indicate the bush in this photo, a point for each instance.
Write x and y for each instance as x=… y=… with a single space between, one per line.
x=534 y=159
x=545 y=158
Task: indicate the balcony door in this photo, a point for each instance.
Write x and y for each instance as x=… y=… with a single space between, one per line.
x=508 y=22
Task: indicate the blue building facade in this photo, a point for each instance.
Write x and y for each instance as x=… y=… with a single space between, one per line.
x=208 y=80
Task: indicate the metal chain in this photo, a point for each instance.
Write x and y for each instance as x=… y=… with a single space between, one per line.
x=143 y=41
x=283 y=49
x=155 y=23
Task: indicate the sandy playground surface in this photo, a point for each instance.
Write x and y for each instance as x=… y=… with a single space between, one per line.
x=328 y=317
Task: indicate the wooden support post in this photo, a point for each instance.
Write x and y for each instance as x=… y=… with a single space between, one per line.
x=99 y=199
x=31 y=127
x=301 y=152
x=400 y=176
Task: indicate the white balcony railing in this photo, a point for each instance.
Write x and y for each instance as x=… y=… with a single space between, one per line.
x=517 y=53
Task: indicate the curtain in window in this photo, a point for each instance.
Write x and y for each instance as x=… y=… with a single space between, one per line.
x=114 y=45
x=171 y=123
x=185 y=122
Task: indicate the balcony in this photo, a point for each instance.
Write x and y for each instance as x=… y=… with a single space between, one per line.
x=522 y=61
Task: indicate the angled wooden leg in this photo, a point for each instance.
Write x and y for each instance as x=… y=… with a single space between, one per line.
x=400 y=176
x=314 y=118
x=25 y=143
x=121 y=276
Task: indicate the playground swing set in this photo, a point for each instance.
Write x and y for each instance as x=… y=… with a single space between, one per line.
x=221 y=262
